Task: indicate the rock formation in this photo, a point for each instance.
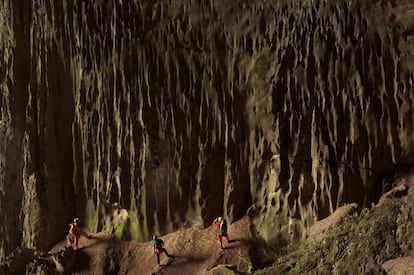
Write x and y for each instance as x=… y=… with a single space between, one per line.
x=179 y=111
x=377 y=240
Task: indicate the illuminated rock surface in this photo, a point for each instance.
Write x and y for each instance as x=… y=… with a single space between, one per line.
x=180 y=111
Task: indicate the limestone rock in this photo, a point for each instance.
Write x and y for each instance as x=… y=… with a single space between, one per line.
x=180 y=111
x=221 y=270
x=399 y=266
x=316 y=231
x=64 y=260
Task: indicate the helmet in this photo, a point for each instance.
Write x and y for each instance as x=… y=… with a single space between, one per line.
x=76 y=220
x=219 y=219
x=154 y=237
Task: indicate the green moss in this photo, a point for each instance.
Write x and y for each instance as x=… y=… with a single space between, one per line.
x=92 y=217
x=131 y=229
x=358 y=245
x=135 y=230
x=265 y=229
x=119 y=230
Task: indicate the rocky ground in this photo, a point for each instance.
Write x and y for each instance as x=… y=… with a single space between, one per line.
x=375 y=240
x=194 y=251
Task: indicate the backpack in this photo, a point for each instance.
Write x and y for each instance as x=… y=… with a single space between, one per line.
x=158 y=243
x=223 y=228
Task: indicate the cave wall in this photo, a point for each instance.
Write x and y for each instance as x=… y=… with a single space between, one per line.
x=180 y=111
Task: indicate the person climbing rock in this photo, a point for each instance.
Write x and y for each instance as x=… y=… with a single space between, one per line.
x=158 y=246
x=221 y=230
x=75 y=233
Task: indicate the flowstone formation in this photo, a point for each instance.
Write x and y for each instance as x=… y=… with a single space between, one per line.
x=145 y=116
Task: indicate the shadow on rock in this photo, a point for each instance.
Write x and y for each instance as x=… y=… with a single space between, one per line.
x=260 y=254
x=82 y=261
x=17 y=261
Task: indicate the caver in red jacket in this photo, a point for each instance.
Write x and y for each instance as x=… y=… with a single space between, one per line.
x=221 y=230
x=76 y=232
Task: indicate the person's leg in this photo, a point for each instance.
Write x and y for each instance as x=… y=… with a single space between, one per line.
x=76 y=241
x=221 y=242
x=166 y=252
x=158 y=258
x=69 y=240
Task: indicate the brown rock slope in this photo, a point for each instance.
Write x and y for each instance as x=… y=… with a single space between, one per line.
x=194 y=251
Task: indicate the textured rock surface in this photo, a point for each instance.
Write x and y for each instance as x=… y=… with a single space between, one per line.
x=378 y=240
x=183 y=110
x=399 y=266
x=318 y=230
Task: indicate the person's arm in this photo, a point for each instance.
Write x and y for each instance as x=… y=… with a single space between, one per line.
x=71 y=228
x=216 y=225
